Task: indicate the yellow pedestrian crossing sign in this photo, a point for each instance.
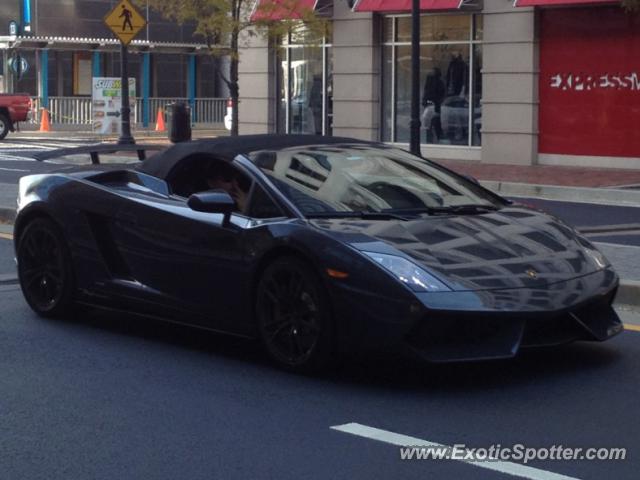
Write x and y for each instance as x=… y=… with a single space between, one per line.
x=125 y=21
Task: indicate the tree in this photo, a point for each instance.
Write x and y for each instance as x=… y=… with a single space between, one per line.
x=224 y=24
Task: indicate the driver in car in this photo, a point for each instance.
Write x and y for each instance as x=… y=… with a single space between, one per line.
x=221 y=176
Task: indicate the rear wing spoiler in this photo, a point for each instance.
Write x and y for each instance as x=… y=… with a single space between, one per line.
x=94 y=151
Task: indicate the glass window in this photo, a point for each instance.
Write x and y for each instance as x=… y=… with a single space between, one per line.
x=477 y=95
x=305 y=88
x=388 y=29
x=436 y=28
x=262 y=206
x=450 y=79
x=347 y=178
x=479 y=27
x=387 y=86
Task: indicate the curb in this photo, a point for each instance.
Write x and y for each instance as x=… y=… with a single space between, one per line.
x=605 y=196
x=628 y=293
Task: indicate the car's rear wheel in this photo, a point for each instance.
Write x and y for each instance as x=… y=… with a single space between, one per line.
x=5 y=124
x=44 y=268
x=294 y=316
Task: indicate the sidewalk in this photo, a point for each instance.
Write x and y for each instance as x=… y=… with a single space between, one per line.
x=547 y=174
x=578 y=184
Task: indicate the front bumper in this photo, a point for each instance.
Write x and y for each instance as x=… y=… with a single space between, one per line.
x=489 y=324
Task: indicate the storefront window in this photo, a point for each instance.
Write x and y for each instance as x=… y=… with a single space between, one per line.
x=450 y=79
x=436 y=28
x=305 y=86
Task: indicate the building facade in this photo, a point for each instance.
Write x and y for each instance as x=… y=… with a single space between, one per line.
x=536 y=82
x=63 y=45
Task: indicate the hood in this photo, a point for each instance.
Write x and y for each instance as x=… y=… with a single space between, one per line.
x=514 y=247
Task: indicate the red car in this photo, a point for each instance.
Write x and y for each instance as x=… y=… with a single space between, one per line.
x=14 y=108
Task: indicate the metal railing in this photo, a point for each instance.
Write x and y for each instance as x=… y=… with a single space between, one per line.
x=65 y=110
x=77 y=110
x=204 y=110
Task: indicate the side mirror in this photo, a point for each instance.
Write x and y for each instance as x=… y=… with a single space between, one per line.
x=213 y=201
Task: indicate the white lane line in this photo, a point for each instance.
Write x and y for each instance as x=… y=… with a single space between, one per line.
x=509 y=468
x=16 y=158
x=13 y=169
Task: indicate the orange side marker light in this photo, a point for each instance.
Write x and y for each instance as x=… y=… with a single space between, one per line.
x=336 y=273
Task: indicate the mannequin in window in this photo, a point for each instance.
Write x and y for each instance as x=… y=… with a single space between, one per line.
x=457 y=75
x=432 y=96
x=315 y=105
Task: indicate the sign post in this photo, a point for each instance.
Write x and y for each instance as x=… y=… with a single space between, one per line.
x=125 y=22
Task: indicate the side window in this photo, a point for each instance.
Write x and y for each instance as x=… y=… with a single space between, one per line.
x=262 y=206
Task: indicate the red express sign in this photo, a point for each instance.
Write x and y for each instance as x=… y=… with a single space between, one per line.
x=590 y=82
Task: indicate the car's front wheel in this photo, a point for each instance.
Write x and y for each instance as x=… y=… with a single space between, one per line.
x=44 y=268
x=294 y=316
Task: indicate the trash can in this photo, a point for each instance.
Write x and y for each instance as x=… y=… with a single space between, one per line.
x=178 y=117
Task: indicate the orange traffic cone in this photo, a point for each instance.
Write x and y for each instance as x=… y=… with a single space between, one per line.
x=160 y=127
x=45 y=125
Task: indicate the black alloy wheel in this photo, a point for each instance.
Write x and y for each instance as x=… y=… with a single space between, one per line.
x=293 y=316
x=5 y=124
x=44 y=268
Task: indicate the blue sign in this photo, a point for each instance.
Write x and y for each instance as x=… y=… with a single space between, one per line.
x=24 y=65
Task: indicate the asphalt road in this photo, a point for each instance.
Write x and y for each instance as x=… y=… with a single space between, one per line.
x=107 y=396
x=7 y=265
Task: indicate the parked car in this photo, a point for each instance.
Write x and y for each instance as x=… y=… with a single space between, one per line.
x=14 y=108
x=337 y=245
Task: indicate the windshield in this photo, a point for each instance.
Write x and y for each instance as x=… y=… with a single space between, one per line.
x=348 y=178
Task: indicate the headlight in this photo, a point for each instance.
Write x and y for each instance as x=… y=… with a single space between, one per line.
x=593 y=253
x=598 y=257
x=409 y=273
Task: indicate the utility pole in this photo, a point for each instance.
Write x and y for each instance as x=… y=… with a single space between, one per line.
x=414 y=126
x=125 y=111
x=125 y=22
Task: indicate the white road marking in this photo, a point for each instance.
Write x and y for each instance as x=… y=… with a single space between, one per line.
x=21 y=152
x=13 y=169
x=14 y=158
x=509 y=468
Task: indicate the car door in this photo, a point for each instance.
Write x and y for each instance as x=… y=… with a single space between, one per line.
x=185 y=262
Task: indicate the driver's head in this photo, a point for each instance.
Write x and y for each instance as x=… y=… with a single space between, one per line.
x=220 y=175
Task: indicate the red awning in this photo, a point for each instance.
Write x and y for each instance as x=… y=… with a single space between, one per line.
x=405 y=5
x=281 y=9
x=557 y=3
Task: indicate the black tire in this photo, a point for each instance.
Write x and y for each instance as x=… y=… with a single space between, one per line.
x=44 y=269
x=294 y=316
x=5 y=125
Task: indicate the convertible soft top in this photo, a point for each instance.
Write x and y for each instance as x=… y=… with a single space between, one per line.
x=227 y=148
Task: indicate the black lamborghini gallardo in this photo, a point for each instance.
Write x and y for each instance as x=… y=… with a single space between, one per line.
x=339 y=245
